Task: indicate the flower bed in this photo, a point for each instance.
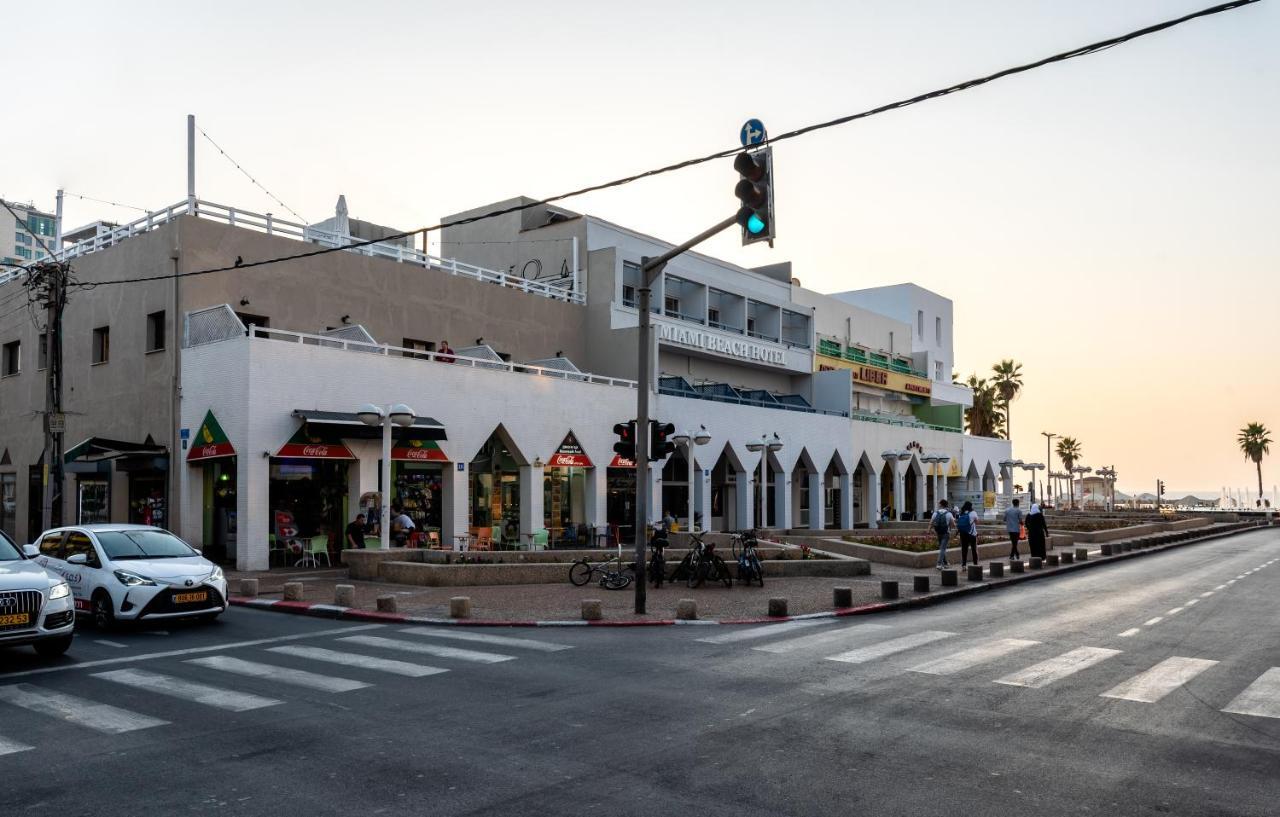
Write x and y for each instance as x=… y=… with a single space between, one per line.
x=915 y=544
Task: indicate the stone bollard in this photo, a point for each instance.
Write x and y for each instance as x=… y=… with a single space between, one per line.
x=1082 y=554
x=1017 y=566
x=249 y=588
x=460 y=607
x=975 y=573
x=387 y=604
x=778 y=607
x=1037 y=563
x=888 y=589
x=687 y=610
x=997 y=570
x=1051 y=560
x=1067 y=557
x=950 y=578
x=1128 y=546
x=344 y=595
x=592 y=610
x=293 y=591
x=920 y=584
x=1107 y=550
x=842 y=596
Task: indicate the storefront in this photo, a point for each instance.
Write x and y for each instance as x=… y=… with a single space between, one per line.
x=307 y=488
x=620 y=508
x=494 y=508
x=564 y=494
x=417 y=478
x=214 y=454
x=146 y=464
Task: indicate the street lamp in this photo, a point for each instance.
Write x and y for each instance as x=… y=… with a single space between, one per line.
x=1048 y=458
x=1109 y=475
x=689 y=439
x=1081 y=470
x=1006 y=473
x=1033 y=467
x=386 y=416
x=1058 y=475
x=765 y=446
x=931 y=460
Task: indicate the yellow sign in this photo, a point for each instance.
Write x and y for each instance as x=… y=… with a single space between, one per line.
x=877 y=377
x=988 y=499
x=954 y=471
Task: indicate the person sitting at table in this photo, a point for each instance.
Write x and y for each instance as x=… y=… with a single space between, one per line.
x=401 y=526
x=355 y=533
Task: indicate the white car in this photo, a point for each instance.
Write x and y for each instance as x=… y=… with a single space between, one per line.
x=133 y=572
x=35 y=606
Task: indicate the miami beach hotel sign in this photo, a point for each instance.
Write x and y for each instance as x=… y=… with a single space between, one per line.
x=737 y=347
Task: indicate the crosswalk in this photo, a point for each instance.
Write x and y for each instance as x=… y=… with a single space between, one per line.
x=256 y=677
x=1010 y=662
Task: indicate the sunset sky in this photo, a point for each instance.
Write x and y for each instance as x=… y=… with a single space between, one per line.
x=1110 y=222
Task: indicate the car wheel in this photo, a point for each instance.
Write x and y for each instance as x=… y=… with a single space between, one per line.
x=104 y=613
x=52 y=647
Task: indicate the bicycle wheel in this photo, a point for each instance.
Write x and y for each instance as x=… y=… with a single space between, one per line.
x=758 y=569
x=580 y=573
x=722 y=571
x=616 y=581
x=697 y=573
x=657 y=569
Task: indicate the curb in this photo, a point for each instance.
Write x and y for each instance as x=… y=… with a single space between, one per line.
x=333 y=611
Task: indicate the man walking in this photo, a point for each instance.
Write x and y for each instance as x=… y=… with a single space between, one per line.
x=942 y=523
x=1013 y=526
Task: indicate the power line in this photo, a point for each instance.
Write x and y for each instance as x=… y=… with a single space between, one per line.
x=83 y=197
x=248 y=176
x=1081 y=51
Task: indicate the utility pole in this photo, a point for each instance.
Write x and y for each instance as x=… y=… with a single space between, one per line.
x=49 y=282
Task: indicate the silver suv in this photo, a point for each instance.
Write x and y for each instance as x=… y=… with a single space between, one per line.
x=36 y=606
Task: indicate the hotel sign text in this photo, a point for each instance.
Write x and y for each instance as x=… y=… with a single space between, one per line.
x=740 y=348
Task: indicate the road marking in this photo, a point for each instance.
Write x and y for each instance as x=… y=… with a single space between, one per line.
x=1220 y=587
x=8 y=747
x=79 y=711
x=1174 y=611
x=106 y=643
x=1157 y=682
x=973 y=656
x=428 y=649
x=151 y=656
x=279 y=675
x=351 y=659
x=761 y=632
x=1261 y=698
x=187 y=690
x=893 y=645
x=820 y=639
x=1206 y=594
x=1231 y=582
x=1132 y=631
x=1055 y=669
x=1192 y=603
x=484 y=638
x=1151 y=622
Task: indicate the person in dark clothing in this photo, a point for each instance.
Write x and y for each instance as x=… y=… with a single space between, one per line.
x=1037 y=531
x=355 y=533
x=967 y=524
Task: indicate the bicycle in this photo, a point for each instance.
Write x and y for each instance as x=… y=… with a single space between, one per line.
x=702 y=564
x=744 y=553
x=582 y=572
x=657 y=567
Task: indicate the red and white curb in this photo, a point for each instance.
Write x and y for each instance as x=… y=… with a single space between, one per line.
x=334 y=611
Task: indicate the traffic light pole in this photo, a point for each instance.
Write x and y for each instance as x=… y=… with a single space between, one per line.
x=649 y=272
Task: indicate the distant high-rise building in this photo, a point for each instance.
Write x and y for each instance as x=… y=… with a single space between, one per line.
x=18 y=236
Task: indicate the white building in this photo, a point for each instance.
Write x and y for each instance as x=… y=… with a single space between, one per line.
x=20 y=237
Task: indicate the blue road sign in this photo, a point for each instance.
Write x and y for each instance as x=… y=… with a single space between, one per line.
x=752 y=133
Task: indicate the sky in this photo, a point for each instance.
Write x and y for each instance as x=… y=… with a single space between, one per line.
x=1109 y=222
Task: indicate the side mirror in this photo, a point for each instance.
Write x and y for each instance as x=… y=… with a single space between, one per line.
x=30 y=551
x=77 y=559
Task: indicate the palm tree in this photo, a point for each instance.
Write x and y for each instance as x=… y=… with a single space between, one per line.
x=984 y=418
x=1255 y=442
x=1069 y=450
x=1008 y=382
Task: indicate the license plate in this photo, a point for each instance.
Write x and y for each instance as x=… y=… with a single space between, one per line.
x=16 y=618
x=186 y=598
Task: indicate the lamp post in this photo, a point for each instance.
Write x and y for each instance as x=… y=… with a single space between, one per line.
x=1056 y=476
x=386 y=416
x=1006 y=473
x=1033 y=467
x=932 y=461
x=1048 y=459
x=765 y=446
x=1109 y=475
x=1081 y=470
x=689 y=439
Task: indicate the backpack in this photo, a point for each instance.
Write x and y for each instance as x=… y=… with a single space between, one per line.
x=940 y=522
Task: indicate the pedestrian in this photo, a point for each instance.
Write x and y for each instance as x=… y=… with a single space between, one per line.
x=668 y=521
x=1037 y=531
x=942 y=523
x=401 y=526
x=967 y=525
x=355 y=533
x=1013 y=526
x=445 y=353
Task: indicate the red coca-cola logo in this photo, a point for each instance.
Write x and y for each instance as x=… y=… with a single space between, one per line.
x=208 y=450
x=315 y=451
x=417 y=454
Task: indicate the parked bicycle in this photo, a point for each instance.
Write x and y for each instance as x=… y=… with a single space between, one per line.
x=657 y=567
x=613 y=574
x=744 y=553
x=702 y=564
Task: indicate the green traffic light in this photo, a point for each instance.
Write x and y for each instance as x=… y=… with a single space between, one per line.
x=755 y=224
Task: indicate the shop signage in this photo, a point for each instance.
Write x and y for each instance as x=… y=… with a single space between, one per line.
x=875 y=376
x=570 y=455
x=306 y=445
x=619 y=461
x=954 y=470
x=730 y=346
x=418 y=451
x=210 y=442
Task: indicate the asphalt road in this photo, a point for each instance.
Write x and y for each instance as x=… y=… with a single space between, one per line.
x=1150 y=686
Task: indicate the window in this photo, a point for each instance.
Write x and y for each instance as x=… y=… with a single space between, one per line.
x=12 y=358
x=23 y=252
x=155 y=331
x=418 y=346
x=630 y=283
x=22 y=238
x=672 y=306
x=248 y=320
x=40 y=225
x=795 y=329
x=724 y=310
x=713 y=316
x=101 y=345
x=42 y=353
x=937 y=369
x=51 y=546
x=937 y=330
x=920 y=323
x=78 y=542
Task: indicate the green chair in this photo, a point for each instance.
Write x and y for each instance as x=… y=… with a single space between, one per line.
x=540 y=539
x=317 y=547
x=495 y=536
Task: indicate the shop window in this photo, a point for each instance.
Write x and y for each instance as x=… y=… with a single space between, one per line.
x=495 y=493
x=101 y=345
x=155 y=331
x=12 y=358
x=93 y=501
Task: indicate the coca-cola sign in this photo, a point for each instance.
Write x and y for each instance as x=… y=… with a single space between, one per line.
x=210 y=451
x=418 y=451
x=315 y=451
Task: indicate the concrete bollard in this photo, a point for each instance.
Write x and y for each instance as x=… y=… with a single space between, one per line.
x=1082 y=554
x=1051 y=560
x=888 y=589
x=687 y=610
x=592 y=610
x=950 y=578
x=344 y=595
x=997 y=570
x=1128 y=546
x=387 y=604
x=1067 y=557
x=460 y=607
x=975 y=573
x=778 y=607
x=920 y=584
x=1037 y=563
x=1107 y=550
x=293 y=591
x=249 y=588
x=1017 y=566
x=842 y=596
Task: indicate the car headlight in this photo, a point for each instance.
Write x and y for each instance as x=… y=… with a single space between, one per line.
x=133 y=579
x=59 y=591
x=216 y=575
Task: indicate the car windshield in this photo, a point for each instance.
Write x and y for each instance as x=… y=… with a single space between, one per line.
x=143 y=544
x=9 y=552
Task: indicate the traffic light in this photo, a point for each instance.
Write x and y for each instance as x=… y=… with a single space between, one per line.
x=625 y=447
x=755 y=191
x=660 y=444
x=1159 y=487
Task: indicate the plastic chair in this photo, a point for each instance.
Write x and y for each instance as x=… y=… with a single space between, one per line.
x=495 y=537
x=319 y=546
x=433 y=540
x=540 y=539
x=482 y=542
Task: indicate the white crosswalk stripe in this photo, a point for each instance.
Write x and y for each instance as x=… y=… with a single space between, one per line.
x=217 y=697
x=1157 y=682
x=750 y=633
x=278 y=675
x=486 y=638
x=893 y=645
x=822 y=639
x=9 y=747
x=973 y=656
x=427 y=649
x=1055 y=669
x=79 y=711
x=351 y=659
x=1261 y=698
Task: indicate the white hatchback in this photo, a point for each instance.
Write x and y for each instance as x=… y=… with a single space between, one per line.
x=35 y=605
x=132 y=572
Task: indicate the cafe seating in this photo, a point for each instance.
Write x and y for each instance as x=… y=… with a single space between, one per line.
x=433 y=540
x=316 y=547
x=483 y=542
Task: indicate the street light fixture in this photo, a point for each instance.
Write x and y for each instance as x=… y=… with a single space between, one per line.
x=688 y=439
x=386 y=416
x=1081 y=470
x=1048 y=459
x=1033 y=467
x=764 y=447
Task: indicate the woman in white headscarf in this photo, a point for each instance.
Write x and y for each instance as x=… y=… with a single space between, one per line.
x=1037 y=531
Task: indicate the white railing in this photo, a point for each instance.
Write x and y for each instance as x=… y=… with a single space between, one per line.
x=331 y=342
x=269 y=224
